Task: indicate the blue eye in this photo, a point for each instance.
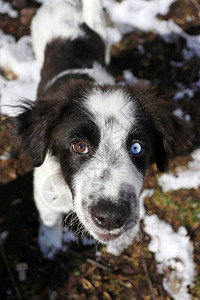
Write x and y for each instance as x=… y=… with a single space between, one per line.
x=136 y=148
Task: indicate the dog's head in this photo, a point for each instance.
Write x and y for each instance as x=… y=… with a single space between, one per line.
x=103 y=138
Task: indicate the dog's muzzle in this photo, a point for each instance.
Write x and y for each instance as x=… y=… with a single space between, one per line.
x=109 y=216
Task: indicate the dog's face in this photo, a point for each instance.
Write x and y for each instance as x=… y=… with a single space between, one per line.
x=103 y=138
x=103 y=156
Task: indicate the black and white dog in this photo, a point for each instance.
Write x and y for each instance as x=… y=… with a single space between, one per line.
x=90 y=141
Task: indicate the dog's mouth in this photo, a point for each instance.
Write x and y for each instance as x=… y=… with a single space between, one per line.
x=107 y=237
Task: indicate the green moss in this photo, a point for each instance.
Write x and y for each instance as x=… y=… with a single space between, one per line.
x=196 y=289
x=76 y=272
x=158 y=176
x=2 y=127
x=8 y=148
x=164 y=199
x=189 y=213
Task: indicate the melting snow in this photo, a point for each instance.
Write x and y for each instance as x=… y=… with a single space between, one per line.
x=141 y=14
x=180 y=94
x=21 y=72
x=173 y=252
x=6 y=8
x=185 y=178
x=179 y=113
x=174 y=255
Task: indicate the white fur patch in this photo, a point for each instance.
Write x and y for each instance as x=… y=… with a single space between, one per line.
x=53 y=198
x=93 y=16
x=112 y=104
x=62 y=18
x=51 y=193
x=97 y=72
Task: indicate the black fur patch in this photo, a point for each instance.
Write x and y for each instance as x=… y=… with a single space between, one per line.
x=169 y=135
x=62 y=55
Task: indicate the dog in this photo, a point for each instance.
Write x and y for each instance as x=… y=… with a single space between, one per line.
x=90 y=140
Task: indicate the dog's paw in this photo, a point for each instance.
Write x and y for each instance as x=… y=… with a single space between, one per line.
x=50 y=240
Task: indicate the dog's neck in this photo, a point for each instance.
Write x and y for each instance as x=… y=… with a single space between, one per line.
x=97 y=73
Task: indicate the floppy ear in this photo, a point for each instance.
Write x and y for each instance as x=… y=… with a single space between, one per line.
x=171 y=135
x=34 y=128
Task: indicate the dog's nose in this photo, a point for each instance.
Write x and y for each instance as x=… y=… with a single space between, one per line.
x=110 y=216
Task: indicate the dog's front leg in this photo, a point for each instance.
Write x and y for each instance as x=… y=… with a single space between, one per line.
x=50 y=239
x=50 y=232
x=53 y=198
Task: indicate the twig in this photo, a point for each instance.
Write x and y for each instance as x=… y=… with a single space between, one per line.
x=99 y=265
x=10 y=272
x=148 y=277
x=196 y=4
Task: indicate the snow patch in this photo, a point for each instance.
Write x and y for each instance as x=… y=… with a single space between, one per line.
x=6 y=8
x=3 y=236
x=147 y=193
x=174 y=256
x=143 y=15
x=21 y=74
x=129 y=77
x=185 y=178
x=114 y=36
x=184 y=92
x=140 y=14
x=179 y=113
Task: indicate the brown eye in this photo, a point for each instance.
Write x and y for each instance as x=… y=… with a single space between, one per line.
x=80 y=148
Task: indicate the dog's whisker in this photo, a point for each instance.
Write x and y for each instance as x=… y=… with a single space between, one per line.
x=79 y=229
x=74 y=221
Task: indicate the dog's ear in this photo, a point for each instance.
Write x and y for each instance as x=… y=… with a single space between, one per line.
x=33 y=127
x=171 y=135
x=36 y=124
